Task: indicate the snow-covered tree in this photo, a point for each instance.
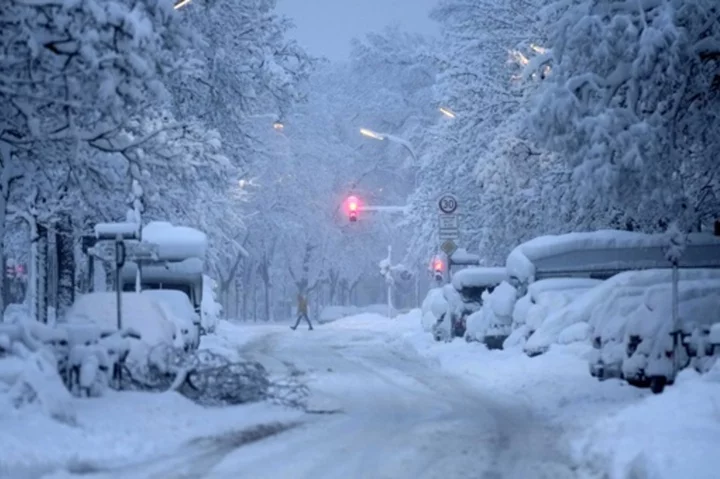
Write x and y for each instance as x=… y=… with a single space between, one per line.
x=631 y=107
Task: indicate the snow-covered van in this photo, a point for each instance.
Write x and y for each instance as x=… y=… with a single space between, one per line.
x=178 y=266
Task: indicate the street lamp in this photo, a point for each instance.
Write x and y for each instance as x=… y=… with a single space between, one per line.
x=180 y=3
x=384 y=136
x=278 y=125
x=447 y=112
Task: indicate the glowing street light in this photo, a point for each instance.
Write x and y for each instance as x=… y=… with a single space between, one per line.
x=279 y=126
x=181 y=3
x=372 y=134
x=447 y=112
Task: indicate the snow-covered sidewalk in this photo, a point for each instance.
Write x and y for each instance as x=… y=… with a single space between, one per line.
x=615 y=430
x=125 y=427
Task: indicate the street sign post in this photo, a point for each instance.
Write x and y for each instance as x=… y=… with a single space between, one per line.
x=448 y=204
x=448 y=227
x=448 y=247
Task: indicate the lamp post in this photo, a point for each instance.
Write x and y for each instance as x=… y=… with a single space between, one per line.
x=405 y=144
x=384 y=136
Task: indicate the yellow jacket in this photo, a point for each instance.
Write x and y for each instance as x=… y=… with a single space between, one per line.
x=302 y=307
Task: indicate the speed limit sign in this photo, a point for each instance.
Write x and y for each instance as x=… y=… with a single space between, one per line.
x=448 y=204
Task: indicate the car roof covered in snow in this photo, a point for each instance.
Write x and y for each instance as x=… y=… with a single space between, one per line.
x=606 y=251
x=479 y=277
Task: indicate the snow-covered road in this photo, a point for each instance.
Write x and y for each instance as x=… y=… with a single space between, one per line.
x=402 y=416
x=381 y=411
x=386 y=402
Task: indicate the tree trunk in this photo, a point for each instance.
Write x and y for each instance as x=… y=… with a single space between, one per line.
x=41 y=285
x=52 y=272
x=255 y=298
x=33 y=269
x=65 y=250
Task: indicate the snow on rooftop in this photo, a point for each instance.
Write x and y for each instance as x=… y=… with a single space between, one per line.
x=111 y=230
x=175 y=243
x=169 y=272
x=461 y=256
x=522 y=261
x=476 y=277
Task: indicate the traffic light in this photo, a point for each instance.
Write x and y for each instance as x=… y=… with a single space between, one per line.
x=438 y=267
x=353 y=205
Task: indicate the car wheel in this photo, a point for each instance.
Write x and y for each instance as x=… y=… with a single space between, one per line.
x=657 y=384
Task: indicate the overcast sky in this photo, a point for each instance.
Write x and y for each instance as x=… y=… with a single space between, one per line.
x=325 y=27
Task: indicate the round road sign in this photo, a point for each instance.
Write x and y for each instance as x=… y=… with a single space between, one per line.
x=448 y=204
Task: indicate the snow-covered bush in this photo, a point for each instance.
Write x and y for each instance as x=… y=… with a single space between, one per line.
x=29 y=375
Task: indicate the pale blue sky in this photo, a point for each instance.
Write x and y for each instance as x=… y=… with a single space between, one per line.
x=325 y=27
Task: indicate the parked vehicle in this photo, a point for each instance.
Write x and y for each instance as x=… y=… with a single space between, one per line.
x=630 y=323
x=650 y=347
x=464 y=297
x=181 y=311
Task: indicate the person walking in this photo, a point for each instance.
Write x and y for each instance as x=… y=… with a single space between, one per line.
x=302 y=312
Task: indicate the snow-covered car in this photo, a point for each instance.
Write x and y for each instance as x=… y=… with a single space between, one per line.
x=542 y=298
x=139 y=313
x=443 y=329
x=434 y=305
x=580 y=310
x=649 y=343
x=464 y=297
x=613 y=306
x=492 y=323
x=608 y=321
x=180 y=310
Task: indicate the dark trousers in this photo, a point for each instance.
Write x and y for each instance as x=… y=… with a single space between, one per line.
x=300 y=317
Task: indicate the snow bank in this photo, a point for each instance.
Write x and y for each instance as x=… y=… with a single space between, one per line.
x=333 y=313
x=669 y=436
x=378 y=309
x=29 y=377
x=120 y=429
x=478 y=277
x=175 y=243
x=581 y=309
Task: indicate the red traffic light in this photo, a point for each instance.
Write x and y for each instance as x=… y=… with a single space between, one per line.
x=353 y=206
x=438 y=265
x=353 y=203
